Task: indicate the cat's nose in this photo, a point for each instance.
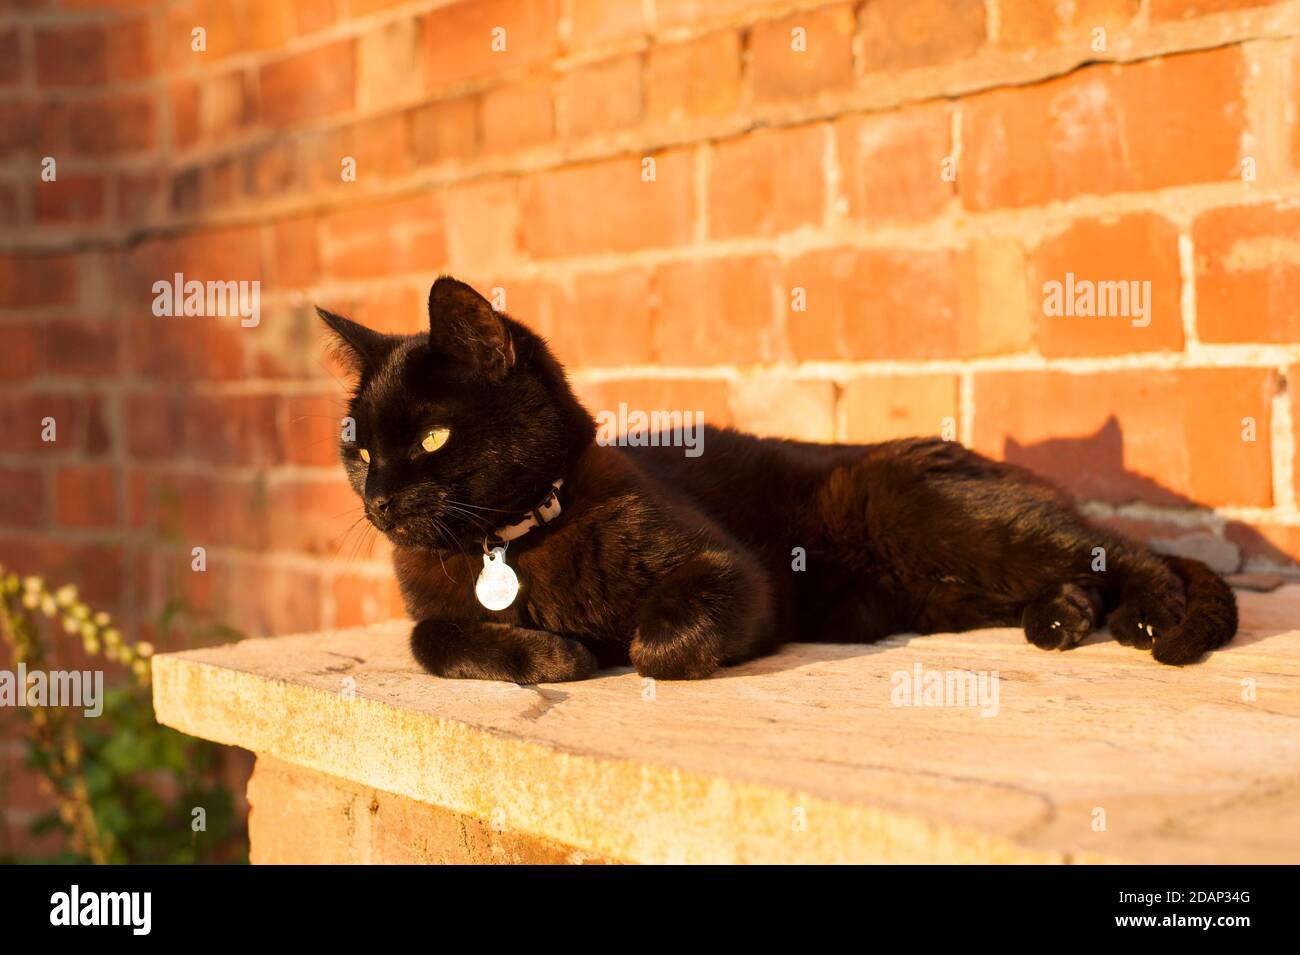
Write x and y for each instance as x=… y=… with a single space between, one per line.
x=379 y=507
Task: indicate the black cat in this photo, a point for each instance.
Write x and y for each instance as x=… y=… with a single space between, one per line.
x=470 y=440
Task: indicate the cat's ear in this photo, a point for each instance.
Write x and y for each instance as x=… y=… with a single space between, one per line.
x=466 y=329
x=359 y=347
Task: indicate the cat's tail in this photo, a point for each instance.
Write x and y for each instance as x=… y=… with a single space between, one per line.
x=1211 y=617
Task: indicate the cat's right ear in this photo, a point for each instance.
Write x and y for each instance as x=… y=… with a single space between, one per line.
x=359 y=347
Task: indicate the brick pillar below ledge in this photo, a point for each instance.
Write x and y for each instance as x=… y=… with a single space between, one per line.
x=301 y=816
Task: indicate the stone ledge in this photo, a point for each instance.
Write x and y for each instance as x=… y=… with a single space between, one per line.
x=800 y=757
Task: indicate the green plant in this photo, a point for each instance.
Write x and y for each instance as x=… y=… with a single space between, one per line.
x=124 y=788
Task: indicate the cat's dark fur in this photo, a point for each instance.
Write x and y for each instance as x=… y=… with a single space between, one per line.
x=684 y=564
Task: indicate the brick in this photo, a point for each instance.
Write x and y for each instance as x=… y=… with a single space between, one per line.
x=310 y=85
x=82 y=348
x=284 y=345
x=1169 y=437
x=70 y=198
x=95 y=569
x=381 y=147
x=234 y=430
x=311 y=16
x=297 y=257
x=267 y=598
x=132 y=49
x=482 y=223
x=85 y=497
x=906 y=34
x=155 y=425
x=701 y=77
x=777 y=408
x=603 y=97
x=635 y=214
x=388 y=69
x=678 y=12
x=183 y=104
x=191 y=509
x=1275 y=545
x=233 y=27
x=445 y=130
x=20 y=357
x=34 y=128
x=517 y=116
x=315 y=517
x=187 y=348
x=458 y=39
x=320 y=156
x=1105 y=129
x=717 y=311
x=392 y=237
x=113 y=125
x=229 y=254
x=1029 y=24
x=364 y=600
x=1201 y=541
x=358 y=8
x=22 y=497
x=885 y=407
x=767 y=182
x=1186 y=9
x=709 y=398
x=27 y=281
x=592 y=22
x=403 y=310
x=228 y=105
x=1138 y=248
x=605 y=321
x=892 y=164
x=300 y=816
x=1293 y=376
x=882 y=304
x=10 y=64
x=72 y=56
x=1247 y=274
x=787 y=65
x=315 y=424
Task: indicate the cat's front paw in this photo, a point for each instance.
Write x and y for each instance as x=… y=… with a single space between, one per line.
x=1141 y=622
x=1061 y=620
x=494 y=651
x=657 y=651
x=556 y=661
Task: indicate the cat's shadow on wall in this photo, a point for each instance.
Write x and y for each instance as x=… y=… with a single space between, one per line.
x=1097 y=470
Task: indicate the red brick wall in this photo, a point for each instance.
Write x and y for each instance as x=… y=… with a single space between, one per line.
x=912 y=177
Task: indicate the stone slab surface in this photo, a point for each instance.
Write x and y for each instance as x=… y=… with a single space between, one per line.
x=1097 y=754
x=298 y=816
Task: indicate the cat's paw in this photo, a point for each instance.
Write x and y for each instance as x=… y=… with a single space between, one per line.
x=657 y=651
x=1143 y=621
x=1061 y=620
x=557 y=660
x=494 y=651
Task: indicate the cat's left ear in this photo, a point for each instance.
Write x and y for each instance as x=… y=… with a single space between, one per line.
x=464 y=327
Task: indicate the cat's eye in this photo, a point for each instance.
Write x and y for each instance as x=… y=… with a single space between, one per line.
x=365 y=455
x=435 y=439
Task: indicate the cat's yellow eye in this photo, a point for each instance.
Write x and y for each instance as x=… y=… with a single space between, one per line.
x=435 y=439
x=365 y=455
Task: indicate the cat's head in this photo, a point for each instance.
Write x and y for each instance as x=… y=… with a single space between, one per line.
x=457 y=432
